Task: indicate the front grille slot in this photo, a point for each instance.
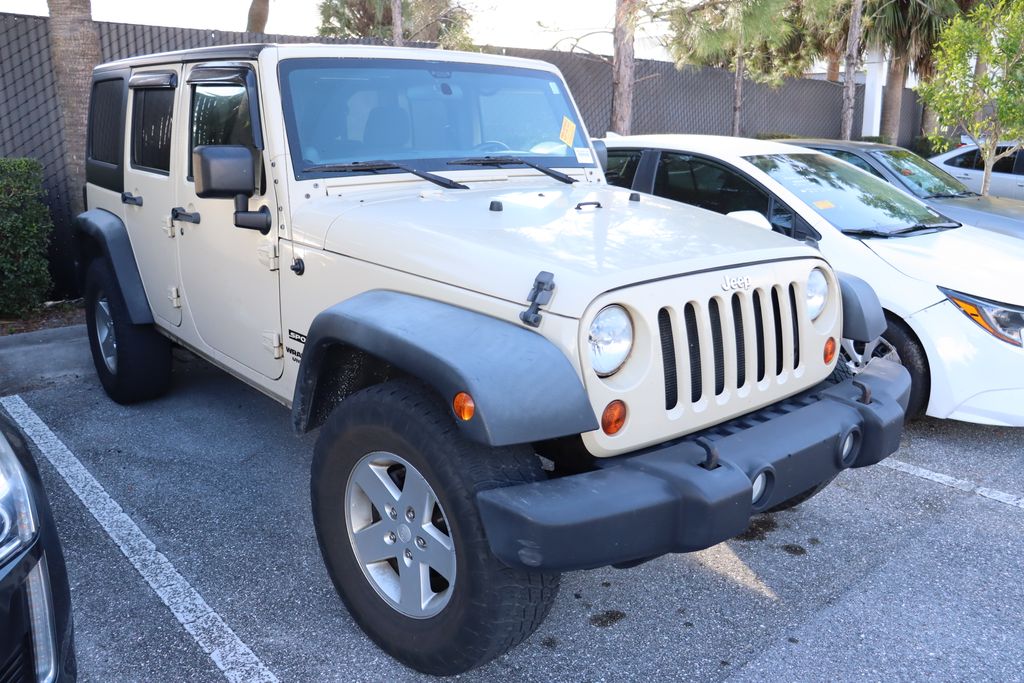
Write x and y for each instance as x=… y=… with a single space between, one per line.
x=759 y=329
x=777 y=319
x=741 y=355
x=693 y=342
x=716 y=345
x=794 y=315
x=668 y=357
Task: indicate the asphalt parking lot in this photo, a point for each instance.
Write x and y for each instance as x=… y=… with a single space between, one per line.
x=911 y=571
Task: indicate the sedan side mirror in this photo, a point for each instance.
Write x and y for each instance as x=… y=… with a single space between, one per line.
x=751 y=217
x=228 y=171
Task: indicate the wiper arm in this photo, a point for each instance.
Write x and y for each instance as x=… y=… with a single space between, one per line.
x=374 y=166
x=854 y=232
x=510 y=161
x=951 y=195
x=947 y=225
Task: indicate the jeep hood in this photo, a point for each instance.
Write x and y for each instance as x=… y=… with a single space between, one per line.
x=967 y=259
x=592 y=237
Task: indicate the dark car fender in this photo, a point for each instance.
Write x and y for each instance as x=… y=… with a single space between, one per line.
x=101 y=233
x=863 y=318
x=524 y=388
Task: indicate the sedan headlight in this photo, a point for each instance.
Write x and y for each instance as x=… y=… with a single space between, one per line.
x=1000 y=320
x=817 y=293
x=610 y=340
x=17 y=515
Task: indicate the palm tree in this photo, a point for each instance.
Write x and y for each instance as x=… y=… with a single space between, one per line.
x=623 y=66
x=258 y=13
x=907 y=28
x=75 y=49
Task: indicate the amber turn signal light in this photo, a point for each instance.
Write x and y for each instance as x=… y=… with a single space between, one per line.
x=613 y=417
x=464 y=406
x=830 y=350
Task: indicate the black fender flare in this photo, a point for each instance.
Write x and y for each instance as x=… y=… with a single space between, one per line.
x=524 y=388
x=109 y=236
x=863 y=317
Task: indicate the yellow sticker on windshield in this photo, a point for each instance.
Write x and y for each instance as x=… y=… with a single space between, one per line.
x=568 y=133
x=824 y=204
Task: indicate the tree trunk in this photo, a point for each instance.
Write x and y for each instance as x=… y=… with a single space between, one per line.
x=892 y=99
x=929 y=121
x=833 y=67
x=259 y=10
x=850 y=79
x=75 y=49
x=623 y=67
x=396 y=23
x=737 y=94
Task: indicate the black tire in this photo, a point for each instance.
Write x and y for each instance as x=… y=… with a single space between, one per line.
x=142 y=366
x=797 y=500
x=913 y=358
x=491 y=607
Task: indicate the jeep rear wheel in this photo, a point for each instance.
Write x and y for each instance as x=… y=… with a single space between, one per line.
x=133 y=361
x=394 y=489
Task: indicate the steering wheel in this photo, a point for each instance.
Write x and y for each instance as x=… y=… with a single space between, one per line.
x=492 y=146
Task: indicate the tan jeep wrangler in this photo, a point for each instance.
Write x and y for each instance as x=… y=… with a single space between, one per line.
x=516 y=369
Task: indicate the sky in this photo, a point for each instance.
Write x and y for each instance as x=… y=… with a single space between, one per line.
x=539 y=24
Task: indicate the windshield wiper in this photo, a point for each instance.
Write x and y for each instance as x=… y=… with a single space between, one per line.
x=374 y=166
x=510 y=161
x=952 y=195
x=867 y=232
x=947 y=225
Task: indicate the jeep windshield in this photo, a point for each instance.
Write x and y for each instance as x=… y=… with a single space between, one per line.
x=855 y=202
x=425 y=115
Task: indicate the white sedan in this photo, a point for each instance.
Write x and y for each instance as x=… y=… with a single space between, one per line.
x=953 y=295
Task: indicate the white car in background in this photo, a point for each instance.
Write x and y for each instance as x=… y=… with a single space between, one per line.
x=965 y=164
x=953 y=294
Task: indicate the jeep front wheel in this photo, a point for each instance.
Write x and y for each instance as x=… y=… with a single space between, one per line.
x=394 y=489
x=133 y=361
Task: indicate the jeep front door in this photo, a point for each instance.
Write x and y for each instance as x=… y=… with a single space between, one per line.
x=149 y=188
x=229 y=274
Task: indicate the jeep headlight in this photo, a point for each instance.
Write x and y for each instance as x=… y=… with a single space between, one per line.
x=610 y=340
x=816 y=293
x=17 y=516
x=1000 y=320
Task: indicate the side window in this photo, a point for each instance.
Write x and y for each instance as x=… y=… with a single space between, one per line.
x=851 y=158
x=969 y=160
x=105 y=121
x=1004 y=165
x=708 y=185
x=151 y=129
x=220 y=116
x=622 y=165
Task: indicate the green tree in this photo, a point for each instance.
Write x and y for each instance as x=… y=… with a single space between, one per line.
x=751 y=38
x=444 y=22
x=987 y=104
x=907 y=29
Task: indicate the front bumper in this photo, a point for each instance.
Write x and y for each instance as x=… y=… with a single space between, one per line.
x=665 y=500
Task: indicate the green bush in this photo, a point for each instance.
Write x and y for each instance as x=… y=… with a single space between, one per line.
x=24 y=234
x=930 y=145
x=774 y=135
x=872 y=138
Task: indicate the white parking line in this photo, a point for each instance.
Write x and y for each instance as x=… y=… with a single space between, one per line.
x=954 y=483
x=233 y=657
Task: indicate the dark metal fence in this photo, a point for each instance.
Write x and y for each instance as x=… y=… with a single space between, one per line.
x=666 y=99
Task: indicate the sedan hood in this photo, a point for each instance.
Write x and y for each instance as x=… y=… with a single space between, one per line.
x=992 y=213
x=967 y=259
x=594 y=238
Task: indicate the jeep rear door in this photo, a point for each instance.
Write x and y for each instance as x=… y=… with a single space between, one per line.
x=154 y=122
x=229 y=274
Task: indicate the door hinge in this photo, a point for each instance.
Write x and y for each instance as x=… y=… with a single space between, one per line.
x=175 y=296
x=273 y=343
x=268 y=255
x=168 y=226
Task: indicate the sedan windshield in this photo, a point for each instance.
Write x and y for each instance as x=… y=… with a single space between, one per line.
x=424 y=114
x=920 y=176
x=848 y=198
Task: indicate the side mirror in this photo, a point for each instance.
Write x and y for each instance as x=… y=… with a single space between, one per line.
x=223 y=171
x=601 y=150
x=228 y=171
x=751 y=217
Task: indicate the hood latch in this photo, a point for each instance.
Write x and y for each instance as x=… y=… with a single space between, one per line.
x=543 y=287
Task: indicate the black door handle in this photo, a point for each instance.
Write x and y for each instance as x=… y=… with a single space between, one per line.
x=129 y=198
x=180 y=214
